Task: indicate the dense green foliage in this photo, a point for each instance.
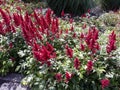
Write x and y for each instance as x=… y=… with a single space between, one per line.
x=110 y=4
x=28 y=1
x=74 y=7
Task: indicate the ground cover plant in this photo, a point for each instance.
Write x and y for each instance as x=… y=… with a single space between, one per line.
x=61 y=53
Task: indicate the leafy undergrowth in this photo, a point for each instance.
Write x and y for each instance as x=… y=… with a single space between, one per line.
x=61 y=53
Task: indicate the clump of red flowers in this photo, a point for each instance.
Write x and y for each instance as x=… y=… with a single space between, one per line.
x=91 y=39
x=44 y=53
x=105 y=83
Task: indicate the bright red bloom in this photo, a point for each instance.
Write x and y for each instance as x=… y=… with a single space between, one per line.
x=74 y=35
x=76 y=63
x=89 y=66
x=91 y=39
x=10 y=45
x=111 y=43
x=5 y=16
x=44 y=53
x=71 y=20
x=81 y=35
x=105 y=83
x=48 y=16
x=84 y=26
x=2 y=31
x=17 y=19
x=58 y=77
x=62 y=13
x=68 y=76
x=69 y=52
x=72 y=28
x=82 y=47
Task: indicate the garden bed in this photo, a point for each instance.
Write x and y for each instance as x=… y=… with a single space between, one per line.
x=55 y=53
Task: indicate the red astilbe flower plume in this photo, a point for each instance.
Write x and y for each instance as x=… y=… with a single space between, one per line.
x=82 y=36
x=62 y=13
x=48 y=16
x=58 y=77
x=69 y=51
x=17 y=19
x=105 y=83
x=5 y=16
x=43 y=54
x=68 y=76
x=111 y=43
x=82 y=47
x=89 y=66
x=91 y=39
x=37 y=18
x=2 y=31
x=76 y=63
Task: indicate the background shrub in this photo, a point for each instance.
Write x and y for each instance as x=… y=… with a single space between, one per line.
x=74 y=7
x=110 y=4
x=28 y=1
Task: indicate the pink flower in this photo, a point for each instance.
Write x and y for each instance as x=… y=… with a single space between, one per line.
x=68 y=76
x=58 y=77
x=76 y=63
x=105 y=83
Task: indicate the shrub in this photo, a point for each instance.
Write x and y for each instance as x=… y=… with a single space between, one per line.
x=110 y=4
x=110 y=19
x=73 y=7
x=28 y=1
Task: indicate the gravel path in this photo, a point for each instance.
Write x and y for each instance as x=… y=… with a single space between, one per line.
x=12 y=82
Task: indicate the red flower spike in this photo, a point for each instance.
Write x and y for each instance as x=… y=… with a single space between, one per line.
x=68 y=76
x=71 y=20
x=82 y=47
x=76 y=63
x=5 y=16
x=84 y=26
x=17 y=19
x=69 y=52
x=111 y=43
x=105 y=83
x=89 y=66
x=81 y=35
x=58 y=77
x=48 y=16
x=62 y=13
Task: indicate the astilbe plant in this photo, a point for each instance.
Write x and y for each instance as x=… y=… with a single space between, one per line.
x=67 y=63
x=64 y=59
x=12 y=43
